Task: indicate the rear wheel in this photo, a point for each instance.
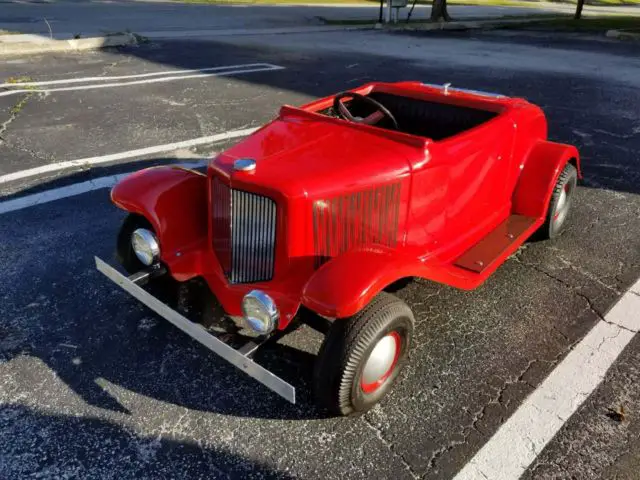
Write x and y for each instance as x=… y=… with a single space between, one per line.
x=560 y=203
x=362 y=356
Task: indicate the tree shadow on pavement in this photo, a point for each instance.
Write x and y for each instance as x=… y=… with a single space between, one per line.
x=64 y=301
x=61 y=446
x=73 y=178
x=578 y=111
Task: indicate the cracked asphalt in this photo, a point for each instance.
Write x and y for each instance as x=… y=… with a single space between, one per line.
x=92 y=385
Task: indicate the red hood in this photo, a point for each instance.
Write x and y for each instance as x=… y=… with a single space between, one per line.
x=307 y=154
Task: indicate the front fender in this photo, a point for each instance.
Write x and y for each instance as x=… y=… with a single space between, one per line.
x=345 y=284
x=539 y=175
x=172 y=199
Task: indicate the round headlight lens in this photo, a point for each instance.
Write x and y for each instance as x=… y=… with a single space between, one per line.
x=145 y=245
x=260 y=312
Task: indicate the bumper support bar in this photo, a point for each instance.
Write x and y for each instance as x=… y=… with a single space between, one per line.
x=197 y=332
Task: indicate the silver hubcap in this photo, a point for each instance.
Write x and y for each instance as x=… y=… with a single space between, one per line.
x=381 y=360
x=562 y=207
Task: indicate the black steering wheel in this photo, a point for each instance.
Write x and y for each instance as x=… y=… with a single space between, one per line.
x=381 y=111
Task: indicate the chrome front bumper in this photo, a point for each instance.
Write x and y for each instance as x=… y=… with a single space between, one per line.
x=240 y=358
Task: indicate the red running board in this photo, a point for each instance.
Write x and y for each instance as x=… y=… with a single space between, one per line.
x=507 y=236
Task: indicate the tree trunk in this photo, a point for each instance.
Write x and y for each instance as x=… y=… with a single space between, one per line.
x=579 y=9
x=439 y=11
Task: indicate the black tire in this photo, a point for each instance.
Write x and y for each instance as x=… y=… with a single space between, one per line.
x=164 y=287
x=556 y=221
x=338 y=372
x=124 y=251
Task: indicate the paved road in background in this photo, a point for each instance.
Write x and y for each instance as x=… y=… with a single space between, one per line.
x=89 y=17
x=93 y=385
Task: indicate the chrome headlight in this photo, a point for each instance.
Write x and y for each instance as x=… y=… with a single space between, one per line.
x=260 y=312
x=145 y=245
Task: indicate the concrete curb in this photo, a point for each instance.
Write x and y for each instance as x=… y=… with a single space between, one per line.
x=623 y=35
x=251 y=31
x=45 y=45
x=466 y=25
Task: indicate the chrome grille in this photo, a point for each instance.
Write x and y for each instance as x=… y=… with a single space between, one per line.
x=244 y=233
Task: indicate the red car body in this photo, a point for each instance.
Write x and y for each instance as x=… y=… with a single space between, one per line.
x=355 y=207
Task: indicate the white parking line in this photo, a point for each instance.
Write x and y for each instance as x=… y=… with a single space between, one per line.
x=73 y=190
x=264 y=68
x=518 y=442
x=139 y=75
x=90 y=161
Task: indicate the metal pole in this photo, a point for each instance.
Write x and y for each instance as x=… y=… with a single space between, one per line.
x=388 y=15
x=411 y=11
x=380 y=14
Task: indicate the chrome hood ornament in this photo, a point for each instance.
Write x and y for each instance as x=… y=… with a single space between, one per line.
x=244 y=165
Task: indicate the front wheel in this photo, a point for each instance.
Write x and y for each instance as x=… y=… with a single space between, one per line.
x=124 y=250
x=164 y=286
x=362 y=356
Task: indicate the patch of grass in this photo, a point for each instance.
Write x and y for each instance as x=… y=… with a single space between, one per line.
x=8 y=32
x=23 y=79
x=613 y=3
x=504 y=3
x=402 y=21
x=494 y=3
x=305 y=2
x=586 y=24
x=544 y=21
x=17 y=108
x=532 y=3
x=271 y=2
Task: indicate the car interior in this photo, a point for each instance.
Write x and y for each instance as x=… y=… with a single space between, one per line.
x=414 y=116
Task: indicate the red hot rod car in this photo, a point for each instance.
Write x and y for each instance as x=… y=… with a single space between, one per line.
x=317 y=213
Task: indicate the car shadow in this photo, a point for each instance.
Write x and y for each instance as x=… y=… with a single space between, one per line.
x=122 y=347
x=66 y=446
x=100 y=341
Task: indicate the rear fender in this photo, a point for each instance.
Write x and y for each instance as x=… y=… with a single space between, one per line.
x=345 y=284
x=539 y=175
x=173 y=200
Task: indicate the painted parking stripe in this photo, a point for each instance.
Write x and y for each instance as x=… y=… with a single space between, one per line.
x=138 y=75
x=240 y=71
x=91 y=161
x=518 y=442
x=73 y=190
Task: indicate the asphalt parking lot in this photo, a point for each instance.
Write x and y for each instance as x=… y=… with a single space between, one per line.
x=92 y=385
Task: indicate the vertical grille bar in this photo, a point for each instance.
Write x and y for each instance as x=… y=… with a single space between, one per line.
x=244 y=229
